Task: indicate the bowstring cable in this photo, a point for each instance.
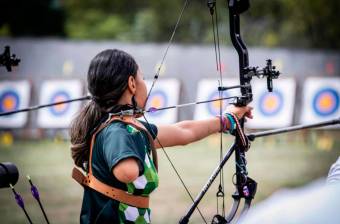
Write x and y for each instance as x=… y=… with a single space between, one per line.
x=221 y=105
x=148 y=96
x=167 y=49
x=214 y=21
x=174 y=168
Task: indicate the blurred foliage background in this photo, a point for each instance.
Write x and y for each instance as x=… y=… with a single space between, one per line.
x=284 y=23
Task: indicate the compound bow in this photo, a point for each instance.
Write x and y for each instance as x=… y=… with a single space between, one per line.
x=245 y=186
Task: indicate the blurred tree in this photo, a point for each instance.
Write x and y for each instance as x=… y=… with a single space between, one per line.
x=96 y=25
x=32 y=18
x=284 y=23
x=104 y=19
x=291 y=23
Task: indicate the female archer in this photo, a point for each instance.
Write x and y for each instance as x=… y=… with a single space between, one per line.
x=118 y=152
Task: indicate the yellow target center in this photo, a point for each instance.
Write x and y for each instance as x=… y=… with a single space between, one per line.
x=59 y=107
x=271 y=102
x=9 y=103
x=326 y=101
x=156 y=102
x=217 y=104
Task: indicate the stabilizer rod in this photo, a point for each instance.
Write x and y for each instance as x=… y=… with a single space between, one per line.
x=252 y=137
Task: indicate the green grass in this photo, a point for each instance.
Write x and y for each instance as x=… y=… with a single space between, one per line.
x=275 y=162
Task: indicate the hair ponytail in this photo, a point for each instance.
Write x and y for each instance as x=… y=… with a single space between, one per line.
x=107 y=79
x=81 y=126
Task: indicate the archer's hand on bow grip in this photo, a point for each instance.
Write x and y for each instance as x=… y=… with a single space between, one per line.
x=234 y=114
x=240 y=112
x=229 y=122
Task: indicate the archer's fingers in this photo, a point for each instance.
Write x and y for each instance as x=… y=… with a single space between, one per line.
x=249 y=114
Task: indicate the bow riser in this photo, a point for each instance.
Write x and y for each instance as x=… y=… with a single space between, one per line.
x=235 y=8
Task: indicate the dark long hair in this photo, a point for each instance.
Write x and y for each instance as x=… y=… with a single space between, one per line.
x=107 y=79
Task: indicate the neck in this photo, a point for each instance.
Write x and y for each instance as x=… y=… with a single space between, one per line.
x=125 y=99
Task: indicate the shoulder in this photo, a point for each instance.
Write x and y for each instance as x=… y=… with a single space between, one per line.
x=116 y=128
x=115 y=133
x=119 y=132
x=119 y=141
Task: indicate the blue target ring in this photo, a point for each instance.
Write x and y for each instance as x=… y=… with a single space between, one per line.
x=326 y=102
x=61 y=109
x=9 y=100
x=157 y=99
x=214 y=107
x=270 y=104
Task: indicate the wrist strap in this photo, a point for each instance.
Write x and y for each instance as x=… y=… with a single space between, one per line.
x=232 y=123
x=244 y=140
x=224 y=126
x=223 y=123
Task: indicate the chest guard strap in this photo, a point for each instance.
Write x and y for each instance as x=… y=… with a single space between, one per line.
x=92 y=182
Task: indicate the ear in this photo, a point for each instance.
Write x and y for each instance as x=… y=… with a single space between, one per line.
x=132 y=84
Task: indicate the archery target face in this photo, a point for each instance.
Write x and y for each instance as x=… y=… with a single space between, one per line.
x=53 y=91
x=14 y=95
x=9 y=101
x=60 y=109
x=321 y=100
x=165 y=93
x=207 y=89
x=270 y=104
x=326 y=102
x=272 y=109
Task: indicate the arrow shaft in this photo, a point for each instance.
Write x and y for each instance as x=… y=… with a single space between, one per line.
x=37 y=107
x=190 y=104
